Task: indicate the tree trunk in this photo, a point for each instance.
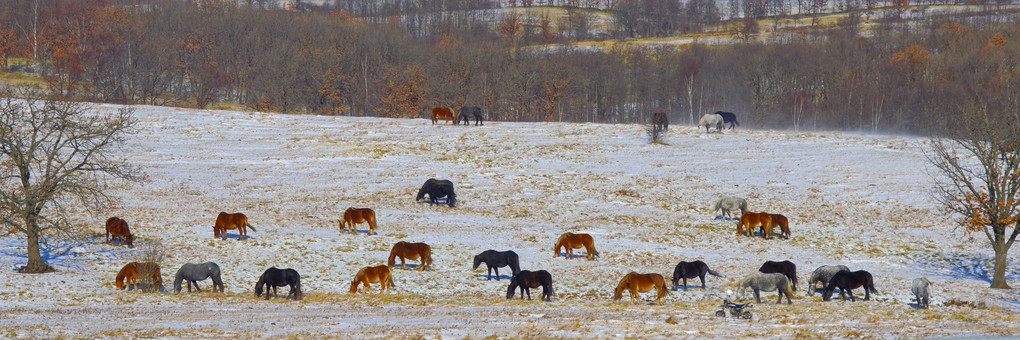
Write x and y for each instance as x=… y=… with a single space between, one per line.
x=35 y=261
x=999 y=270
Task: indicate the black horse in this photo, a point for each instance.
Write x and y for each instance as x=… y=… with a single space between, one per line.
x=785 y=267
x=847 y=280
x=495 y=259
x=197 y=272
x=689 y=270
x=274 y=277
x=529 y=279
x=437 y=188
x=660 y=121
x=470 y=111
x=728 y=117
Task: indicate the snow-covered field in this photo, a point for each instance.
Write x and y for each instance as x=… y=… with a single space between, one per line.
x=853 y=199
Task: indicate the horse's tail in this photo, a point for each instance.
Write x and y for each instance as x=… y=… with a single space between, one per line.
x=250 y=226
x=789 y=290
x=712 y=272
x=430 y=261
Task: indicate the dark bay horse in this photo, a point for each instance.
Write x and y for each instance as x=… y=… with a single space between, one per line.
x=119 y=229
x=660 y=121
x=847 y=280
x=527 y=279
x=437 y=188
x=689 y=270
x=783 y=267
x=728 y=118
x=192 y=273
x=468 y=112
x=274 y=277
x=495 y=259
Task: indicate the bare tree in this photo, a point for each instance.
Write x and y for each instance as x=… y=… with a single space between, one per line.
x=54 y=154
x=978 y=159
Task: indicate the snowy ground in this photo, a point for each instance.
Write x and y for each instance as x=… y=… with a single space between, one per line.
x=859 y=200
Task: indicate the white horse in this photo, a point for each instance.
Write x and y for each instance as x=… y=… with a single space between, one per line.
x=711 y=119
x=730 y=203
x=920 y=289
x=823 y=274
x=767 y=282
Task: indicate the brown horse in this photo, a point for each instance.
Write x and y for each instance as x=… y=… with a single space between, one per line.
x=635 y=283
x=377 y=274
x=750 y=220
x=442 y=113
x=411 y=251
x=782 y=222
x=358 y=215
x=572 y=241
x=139 y=271
x=225 y=221
x=119 y=229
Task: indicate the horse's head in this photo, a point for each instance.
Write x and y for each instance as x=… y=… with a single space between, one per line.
x=618 y=292
x=451 y=200
x=129 y=239
x=422 y=191
x=354 y=286
x=478 y=262
x=827 y=294
x=216 y=231
x=510 y=289
x=258 y=286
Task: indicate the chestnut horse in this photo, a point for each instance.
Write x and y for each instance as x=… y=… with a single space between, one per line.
x=636 y=283
x=358 y=215
x=411 y=251
x=119 y=229
x=133 y=272
x=237 y=221
x=572 y=241
x=750 y=220
x=378 y=274
x=782 y=222
x=442 y=113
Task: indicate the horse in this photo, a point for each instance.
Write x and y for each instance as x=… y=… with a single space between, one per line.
x=846 y=281
x=660 y=121
x=750 y=220
x=572 y=241
x=759 y=282
x=119 y=229
x=639 y=283
x=783 y=267
x=823 y=274
x=198 y=272
x=436 y=188
x=780 y=221
x=466 y=112
x=526 y=280
x=689 y=270
x=378 y=274
x=133 y=272
x=411 y=251
x=920 y=289
x=728 y=118
x=226 y=221
x=441 y=113
x=358 y=215
x=730 y=203
x=274 y=277
x=711 y=119
x=495 y=259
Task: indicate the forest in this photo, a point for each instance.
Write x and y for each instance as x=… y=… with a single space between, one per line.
x=868 y=66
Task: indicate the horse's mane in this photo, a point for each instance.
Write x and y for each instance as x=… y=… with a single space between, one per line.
x=559 y=242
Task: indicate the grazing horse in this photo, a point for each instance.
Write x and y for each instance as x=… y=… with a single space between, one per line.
x=823 y=274
x=378 y=274
x=437 y=188
x=146 y=272
x=750 y=220
x=495 y=259
x=759 y=282
x=920 y=289
x=660 y=121
x=728 y=118
x=711 y=119
x=411 y=251
x=572 y=241
x=780 y=221
x=728 y=204
x=442 y=113
x=782 y=267
x=689 y=270
x=273 y=277
x=526 y=280
x=225 y=221
x=846 y=281
x=358 y=215
x=119 y=229
x=198 y=272
x=639 y=283
x=467 y=112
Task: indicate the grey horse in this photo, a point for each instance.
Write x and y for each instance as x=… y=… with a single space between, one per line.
x=711 y=119
x=767 y=282
x=193 y=273
x=823 y=274
x=920 y=289
x=728 y=204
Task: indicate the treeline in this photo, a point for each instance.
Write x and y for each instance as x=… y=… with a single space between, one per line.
x=902 y=76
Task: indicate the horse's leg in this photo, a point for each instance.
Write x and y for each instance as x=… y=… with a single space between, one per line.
x=497 y=272
x=196 y=286
x=757 y=295
x=526 y=290
x=489 y=275
x=702 y=276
